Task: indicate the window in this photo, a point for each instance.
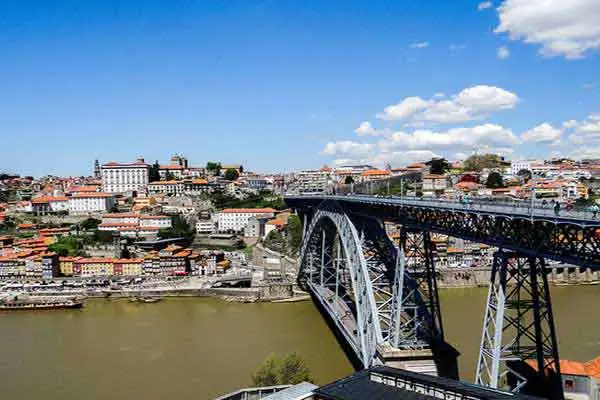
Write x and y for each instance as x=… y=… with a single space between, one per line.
x=569 y=384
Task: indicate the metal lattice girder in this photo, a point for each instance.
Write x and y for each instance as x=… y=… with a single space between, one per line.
x=420 y=297
x=333 y=267
x=519 y=326
x=571 y=241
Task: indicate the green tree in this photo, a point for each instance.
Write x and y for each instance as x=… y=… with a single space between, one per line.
x=213 y=167
x=438 y=166
x=266 y=374
x=477 y=162
x=179 y=228
x=524 y=174
x=494 y=180
x=275 y=241
x=89 y=224
x=66 y=246
x=154 y=173
x=231 y=174
x=287 y=370
x=293 y=233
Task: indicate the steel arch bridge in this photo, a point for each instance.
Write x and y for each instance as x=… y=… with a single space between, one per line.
x=382 y=298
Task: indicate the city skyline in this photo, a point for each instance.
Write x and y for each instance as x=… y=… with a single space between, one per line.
x=281 y=87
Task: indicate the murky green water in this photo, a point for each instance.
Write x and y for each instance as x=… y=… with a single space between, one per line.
x=199 y=348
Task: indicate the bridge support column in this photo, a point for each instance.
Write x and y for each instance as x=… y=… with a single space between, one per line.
x=518 y=344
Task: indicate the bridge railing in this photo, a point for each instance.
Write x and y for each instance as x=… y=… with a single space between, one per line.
x=536 y=209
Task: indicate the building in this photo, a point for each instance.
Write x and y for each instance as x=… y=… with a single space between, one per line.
x=581 y=380
x=516 y=166
x=434 y=184
x=236 y=219
x=312 y=181
x=171 y=188
x=156 y=221
x=205 y=227
x=82 y=203
x=173 y=171
x=125 y=177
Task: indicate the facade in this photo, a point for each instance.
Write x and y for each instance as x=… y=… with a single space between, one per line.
x=171 y=188
x=45 y=205
x=516 y=166
x=205 y=227
x=312 y=181
x=125 y=177
x=82 y=203
x=156 y=221
x=434 y=184
x=236 y=219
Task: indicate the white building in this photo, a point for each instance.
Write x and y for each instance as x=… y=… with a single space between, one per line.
x=516 y=166
x=312 y=181
x=125 y=177
x=236 y=219
x=156 y=221
x=121 y=218
x=90 y=202
x=205 y=227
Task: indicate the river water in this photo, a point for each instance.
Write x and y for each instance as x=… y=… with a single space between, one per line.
x=199 y=348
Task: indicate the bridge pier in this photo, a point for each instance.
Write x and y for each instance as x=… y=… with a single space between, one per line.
x=518 y=345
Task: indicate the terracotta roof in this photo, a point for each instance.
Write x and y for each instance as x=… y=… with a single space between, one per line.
x=593 y=367
x=175 y=166
x=567 y=367
x=94 y=260
x=454 y=250
x=120 y=215
x=116 y=224
x=433 y=176
x=48 y=199
x=276 y=222
x=376 y=172
x=154 y=217
x=199 y=182
x=128 y=260
x=91 y=195
x=131 y=164
x=249 y=210
x=25 y=226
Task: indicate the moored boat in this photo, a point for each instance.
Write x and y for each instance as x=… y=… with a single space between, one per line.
x=25 y=302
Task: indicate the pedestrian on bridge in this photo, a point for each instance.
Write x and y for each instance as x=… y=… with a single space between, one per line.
x=594 y=209
x=556 y=208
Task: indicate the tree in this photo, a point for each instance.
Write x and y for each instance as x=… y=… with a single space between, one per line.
x=494 y=180
x=288 y=370
x=231 y=174
x=169 y=176
x=114 y=209
x=154 y=173
x=89 y=224
x=477 y=162
x=213 y=167
x=524 y=174
x=275 y=241
x=66 y=246
x=179 y=228
x=348 y=180
x=438 y=166
x=293 y=233
x=266 y=374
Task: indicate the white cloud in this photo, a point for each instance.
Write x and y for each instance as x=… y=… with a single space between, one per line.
x=348 y=148
x=403 y=157
x=484 y=5
x=586 y=132
x=562 y=28
x=502 y=52
x=543 y=133
x=366 y=129
x=470 y=104
x=419 y=45
x=588 y=86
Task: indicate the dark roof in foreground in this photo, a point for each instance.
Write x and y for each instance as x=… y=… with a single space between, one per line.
x=367 y=384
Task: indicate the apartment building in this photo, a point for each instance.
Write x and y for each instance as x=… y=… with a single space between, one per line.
x=312 y=181
x=82 y=203
x=236 y=219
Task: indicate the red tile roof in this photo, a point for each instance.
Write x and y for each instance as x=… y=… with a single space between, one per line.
x=120 y=215
x=376 y=172
x=175 y=166
x=91 y=195
x=155 y=217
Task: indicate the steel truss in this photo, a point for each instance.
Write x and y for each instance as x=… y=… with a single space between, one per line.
x=562 y=240
x=357 y=275
x=420 y=307
x=519 y=327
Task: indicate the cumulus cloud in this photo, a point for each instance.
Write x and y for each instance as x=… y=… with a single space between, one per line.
x=562 y=28
x=484 y=5
x=543 y=133
x=472 y=103
x=366 y=129
x=586 y=131
x=348 y=148
x=419 y=45
x=502 y=52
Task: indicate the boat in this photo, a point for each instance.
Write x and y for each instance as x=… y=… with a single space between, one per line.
x=145 y=299
x=22 y=301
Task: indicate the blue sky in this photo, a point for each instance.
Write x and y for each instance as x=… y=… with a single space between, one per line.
x=283 y=85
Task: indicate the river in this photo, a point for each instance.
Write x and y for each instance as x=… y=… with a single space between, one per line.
x=190 y=348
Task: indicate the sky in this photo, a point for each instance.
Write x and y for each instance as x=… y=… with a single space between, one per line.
x=288 y=85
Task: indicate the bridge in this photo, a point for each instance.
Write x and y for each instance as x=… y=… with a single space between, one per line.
x=381 y=296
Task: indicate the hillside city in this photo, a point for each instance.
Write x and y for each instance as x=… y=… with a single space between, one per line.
x=174 y=220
